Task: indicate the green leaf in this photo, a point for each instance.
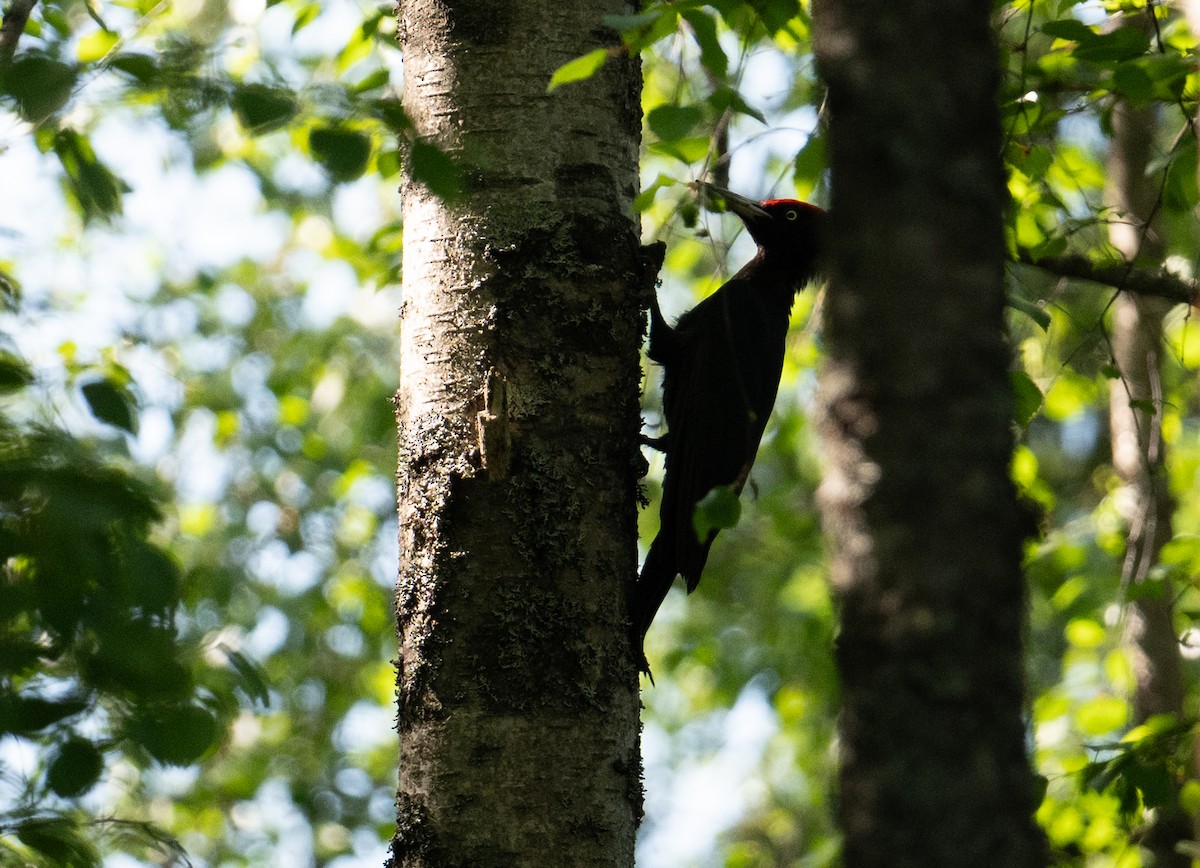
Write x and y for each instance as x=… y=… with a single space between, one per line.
x=25 y=715
x=1132 y=80
x=1180 y=192
x=370 y=25
x=1183 y=551
x=810 y=164
x=1124 y=43
x=1027 y=398
x=1033 y=311
x=1022 y=117
x=704 y=28
x=305 y=16
x=110 y=404
x=40 y=86
x=33 y=28
x=343 y=153
x=725 y=98
x=15 y=373
x=76 y=767
x=646 y=198
x=1069 y=28
x=10 y=292
x=137 y=657
x=776 y=15
x=1055 y=245
x=56 y=19
x=18 y=656
x=720 y=508
x=579 y=69
x=142 y=67
x=1069 y=393
x=1153 y=782
x=1034 y=161
x=95 y=45
x=96 y=191
x=1169 y=73
x=670 y=122
x=1150 y=588
x=251 y=677
x=388 y=163
x=1099 y=776
x=1102 y=715
x=689 y=150
x=642 y=30
x=391 y=112
x=59 y=840
x=1189 y=800
x=434 y=168
x=152 y=576
x=377 y=79
x=261 y=108
x=175 y=735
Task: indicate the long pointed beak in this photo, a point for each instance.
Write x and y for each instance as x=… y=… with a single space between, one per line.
x=745 y=208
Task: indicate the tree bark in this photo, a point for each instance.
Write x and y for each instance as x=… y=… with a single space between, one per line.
x=518 y=421
x=925 y=522
x=1139 y=451
x=12 y=27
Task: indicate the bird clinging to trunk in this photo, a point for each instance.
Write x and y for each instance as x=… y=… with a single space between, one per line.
x=721 y=367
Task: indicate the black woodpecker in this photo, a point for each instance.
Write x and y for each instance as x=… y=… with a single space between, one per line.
x=721 y=367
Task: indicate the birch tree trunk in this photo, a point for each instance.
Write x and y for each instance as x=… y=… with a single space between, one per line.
x=1138 y=450
x=518 y=421
x=925 y=522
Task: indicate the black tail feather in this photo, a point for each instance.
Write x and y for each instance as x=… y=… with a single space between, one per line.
x=653 y=585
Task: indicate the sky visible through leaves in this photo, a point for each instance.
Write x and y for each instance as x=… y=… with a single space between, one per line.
x=205 y=231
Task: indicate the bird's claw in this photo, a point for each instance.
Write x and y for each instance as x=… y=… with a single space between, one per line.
x=657 y=443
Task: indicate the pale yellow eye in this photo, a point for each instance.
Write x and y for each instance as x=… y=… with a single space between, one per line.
x=792 y=215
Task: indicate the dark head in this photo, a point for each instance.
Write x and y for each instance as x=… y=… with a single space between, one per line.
x=786 y=230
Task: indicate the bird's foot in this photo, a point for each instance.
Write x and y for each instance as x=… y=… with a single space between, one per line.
x=657 y=443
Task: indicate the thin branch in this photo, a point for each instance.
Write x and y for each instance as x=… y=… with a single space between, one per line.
x=1123 y=276
x=13 y=27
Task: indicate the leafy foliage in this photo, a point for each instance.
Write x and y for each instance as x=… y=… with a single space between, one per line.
x=90 y=640
x=196 y=448
x=711 y=109
x=216 y=638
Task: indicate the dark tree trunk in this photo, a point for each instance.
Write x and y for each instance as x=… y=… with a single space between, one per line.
x=926 y=524
x=518 y=422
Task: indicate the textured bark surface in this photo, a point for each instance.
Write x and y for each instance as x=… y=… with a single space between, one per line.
x=1138 y=451
x=926 y=525
x=518 y=421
